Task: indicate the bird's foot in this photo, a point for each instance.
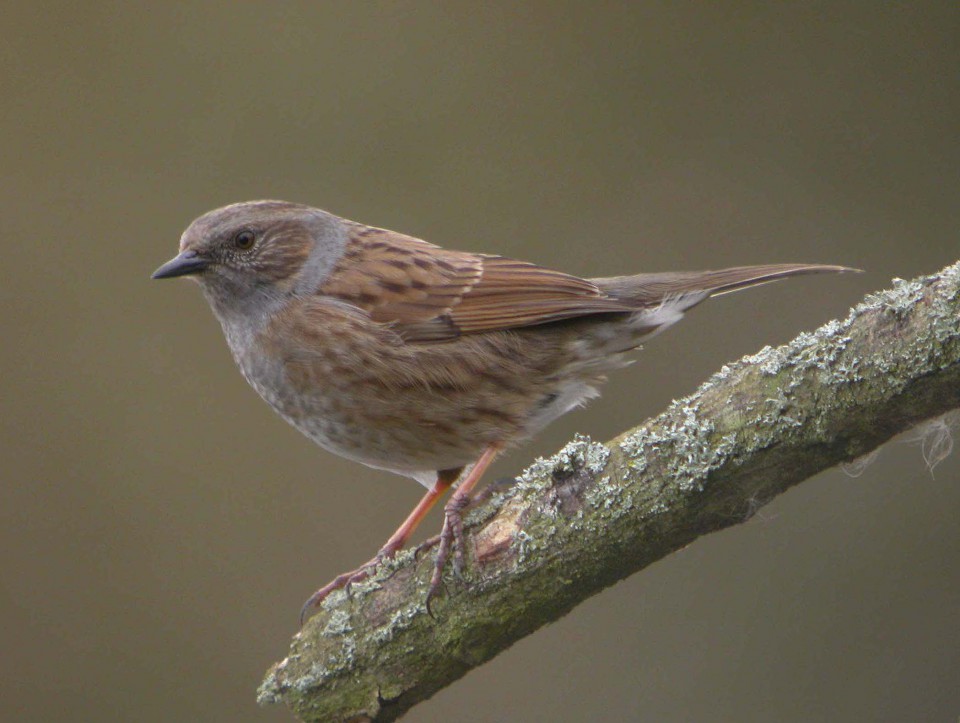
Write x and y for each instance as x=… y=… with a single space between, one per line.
x=451 y=539
x=483 y=496
x=345 y=580
x=490 y=490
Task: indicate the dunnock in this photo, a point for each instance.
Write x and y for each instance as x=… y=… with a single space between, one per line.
x=407 y=357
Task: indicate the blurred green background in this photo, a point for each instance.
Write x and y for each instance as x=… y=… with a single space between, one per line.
x=161 y=526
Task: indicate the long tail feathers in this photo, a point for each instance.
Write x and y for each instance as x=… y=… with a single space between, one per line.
x=647 y=290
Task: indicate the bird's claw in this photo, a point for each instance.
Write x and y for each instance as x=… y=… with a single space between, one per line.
x=451 y=539
x=343 y=582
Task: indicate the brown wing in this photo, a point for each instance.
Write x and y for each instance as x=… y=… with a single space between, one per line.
x=430 y=294
x=517 y=293
x=398 y=278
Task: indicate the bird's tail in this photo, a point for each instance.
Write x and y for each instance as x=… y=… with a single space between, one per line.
x=662 y=299
x=688 y=288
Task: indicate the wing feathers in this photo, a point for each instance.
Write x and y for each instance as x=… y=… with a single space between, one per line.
x=430 y=294
x=517 y=293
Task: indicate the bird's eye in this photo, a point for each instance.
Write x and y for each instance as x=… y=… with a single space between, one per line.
x=244 y=239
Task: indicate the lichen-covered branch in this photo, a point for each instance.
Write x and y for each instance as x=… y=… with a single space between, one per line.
x=595 y=513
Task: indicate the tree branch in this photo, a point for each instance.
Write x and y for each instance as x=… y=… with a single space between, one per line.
x=595 y=513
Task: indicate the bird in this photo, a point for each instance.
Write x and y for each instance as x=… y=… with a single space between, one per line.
x=411 y=358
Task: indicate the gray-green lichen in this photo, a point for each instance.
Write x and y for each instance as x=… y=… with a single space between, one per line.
x=580 y=453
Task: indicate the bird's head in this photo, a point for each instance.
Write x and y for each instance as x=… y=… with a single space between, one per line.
x=247 y=253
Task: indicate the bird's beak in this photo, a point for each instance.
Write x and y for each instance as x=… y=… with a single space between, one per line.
x=183 y=264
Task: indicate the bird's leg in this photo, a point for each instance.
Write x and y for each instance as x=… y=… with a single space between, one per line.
x=483 y=496
x=451 y=536
x=397 y=540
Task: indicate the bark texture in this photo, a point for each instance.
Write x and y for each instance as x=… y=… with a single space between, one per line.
x=595 y=513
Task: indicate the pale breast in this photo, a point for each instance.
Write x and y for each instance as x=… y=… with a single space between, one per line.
x=358 y=390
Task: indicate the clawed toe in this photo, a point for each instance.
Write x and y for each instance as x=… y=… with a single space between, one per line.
x=491 y=490
x=451 y=539
x=427 y=544
x=340 y=582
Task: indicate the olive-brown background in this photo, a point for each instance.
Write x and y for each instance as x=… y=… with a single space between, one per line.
x=160 y=526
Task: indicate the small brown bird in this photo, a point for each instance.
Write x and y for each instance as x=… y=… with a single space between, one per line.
x=407 y=357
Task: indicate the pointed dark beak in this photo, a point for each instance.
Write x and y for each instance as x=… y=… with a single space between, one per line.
x=183 y=264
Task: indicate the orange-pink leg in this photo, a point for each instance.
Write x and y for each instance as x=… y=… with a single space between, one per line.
x=397 y=540
x=451 y=536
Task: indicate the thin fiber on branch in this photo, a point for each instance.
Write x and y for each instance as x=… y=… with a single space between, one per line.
x=594 y=513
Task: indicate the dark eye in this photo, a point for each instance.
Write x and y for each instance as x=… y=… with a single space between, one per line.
x=244 y=239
